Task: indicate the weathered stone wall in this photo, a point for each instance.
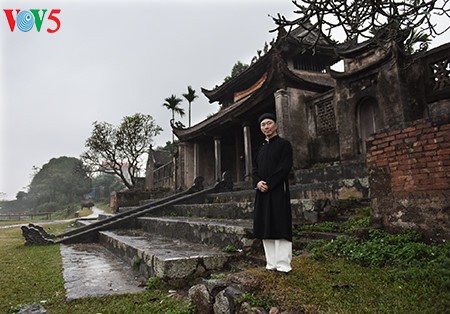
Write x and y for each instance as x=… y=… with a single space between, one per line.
x=409 y=177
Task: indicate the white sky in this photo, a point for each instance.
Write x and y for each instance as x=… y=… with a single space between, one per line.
x=112 y=59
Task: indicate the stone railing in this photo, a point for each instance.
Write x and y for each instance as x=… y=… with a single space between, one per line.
x=437 y=65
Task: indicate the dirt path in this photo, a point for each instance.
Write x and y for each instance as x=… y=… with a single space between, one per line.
x=95 y=212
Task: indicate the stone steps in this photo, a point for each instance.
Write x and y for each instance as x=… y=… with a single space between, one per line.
x=163 y=257
x=231 y=210
x=208 y=231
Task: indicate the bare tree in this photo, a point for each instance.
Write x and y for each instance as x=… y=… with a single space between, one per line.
x=354 y=20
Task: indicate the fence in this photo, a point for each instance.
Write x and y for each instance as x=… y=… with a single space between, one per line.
x=31 y=216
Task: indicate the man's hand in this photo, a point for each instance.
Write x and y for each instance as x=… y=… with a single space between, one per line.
x=262 y=186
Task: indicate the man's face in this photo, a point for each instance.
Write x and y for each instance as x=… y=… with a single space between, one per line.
x=269 y=128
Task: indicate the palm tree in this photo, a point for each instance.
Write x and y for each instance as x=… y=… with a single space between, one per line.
x=190 y=96
x=172 y=103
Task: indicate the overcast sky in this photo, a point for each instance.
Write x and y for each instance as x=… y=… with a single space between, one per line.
x=111 y=59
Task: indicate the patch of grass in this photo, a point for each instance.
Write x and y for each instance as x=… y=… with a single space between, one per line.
x=33 y=274
x=217 y=276
x=355 y=223
x=256 y=300
x=326 y=226
x=229 y=249
x=334 y=285
x=153 y=282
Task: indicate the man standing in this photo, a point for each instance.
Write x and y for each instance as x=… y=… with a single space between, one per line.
x=272 y=221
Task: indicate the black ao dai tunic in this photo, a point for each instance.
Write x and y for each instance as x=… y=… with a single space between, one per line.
x=272 y=213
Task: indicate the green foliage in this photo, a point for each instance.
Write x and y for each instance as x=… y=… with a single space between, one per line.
x=355 y=223
x=217 y=276
x=59 y=182
x=230 y=249
x=105 y=183
x=326 y=226
x=237 y=69
x=190 y=97
x=111 y=147
x=256 y=300
x=48 y=207
x=153 y=282
x=383 y=249
x=349 y=226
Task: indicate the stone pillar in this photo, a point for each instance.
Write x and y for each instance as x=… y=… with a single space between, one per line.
x=196 y=160
x=181 y=170
x=218 y=159
x=282 y=112
x=149 y=182
x=247 y=151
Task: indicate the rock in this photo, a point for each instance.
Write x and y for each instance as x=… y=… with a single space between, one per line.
x=216 y=285
x=227 y=299
x=274 y=310
x=201 y=299
x=222 y=304
x=32 y=309
x=248 y=309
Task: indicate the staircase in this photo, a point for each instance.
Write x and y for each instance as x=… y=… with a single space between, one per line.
x=194 y=234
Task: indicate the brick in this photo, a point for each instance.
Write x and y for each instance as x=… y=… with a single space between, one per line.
x=400 y=136
x=410 y=140
x=430 y=153
x=431 y=147
x=410 y=129
x=427 y=136
x=415 y=133
x=396 y=142
x=389 y=149
x=443 y=152
x=434 y=164
x=438 y=175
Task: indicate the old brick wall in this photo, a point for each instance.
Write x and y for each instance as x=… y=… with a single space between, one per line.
x=409 y=177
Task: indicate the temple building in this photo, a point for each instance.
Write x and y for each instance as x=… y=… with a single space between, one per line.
x=282 y=81
x=327 y=115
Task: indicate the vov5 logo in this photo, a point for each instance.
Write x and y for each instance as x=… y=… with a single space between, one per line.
x=25 y=20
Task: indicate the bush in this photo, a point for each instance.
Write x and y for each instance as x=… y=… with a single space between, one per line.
x=382 y=249
x=48 y=207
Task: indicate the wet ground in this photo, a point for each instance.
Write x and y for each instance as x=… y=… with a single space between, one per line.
x=91 y=270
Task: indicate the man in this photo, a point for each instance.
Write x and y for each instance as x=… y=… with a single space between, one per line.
x=272 y=221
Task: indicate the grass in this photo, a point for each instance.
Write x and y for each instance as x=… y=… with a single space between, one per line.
x=383 y=274
x=33 y=274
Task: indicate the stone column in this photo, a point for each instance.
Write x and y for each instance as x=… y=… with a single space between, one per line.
x=247 y=151
x=218 y=159
x=196 y=160
x=282 y=111
x=149 y=182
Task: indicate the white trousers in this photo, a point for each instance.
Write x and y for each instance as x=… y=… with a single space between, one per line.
x=278 y=254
